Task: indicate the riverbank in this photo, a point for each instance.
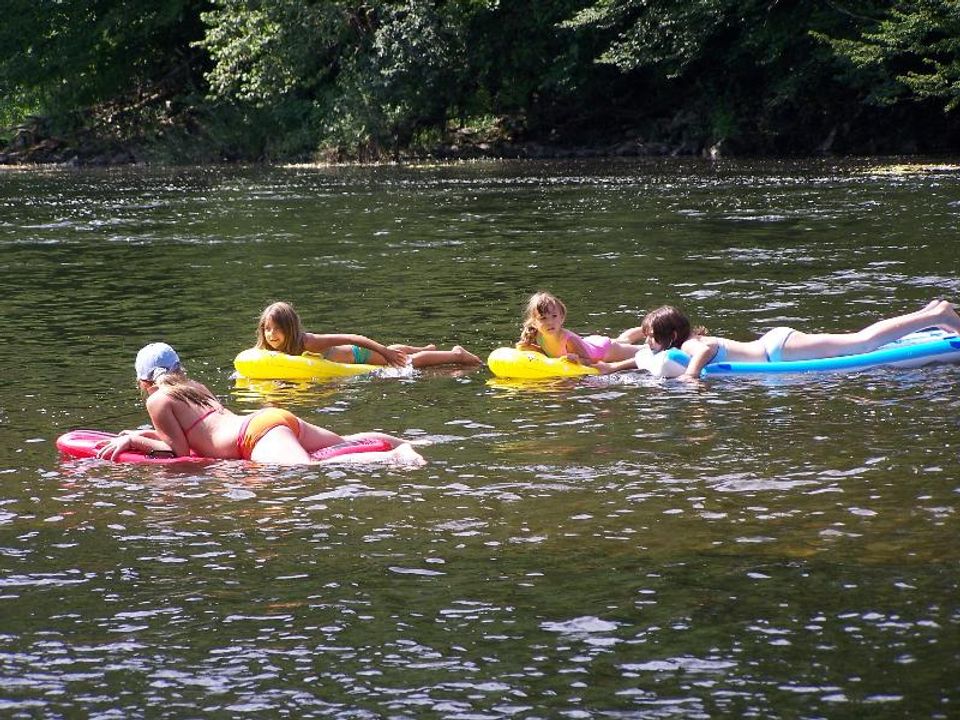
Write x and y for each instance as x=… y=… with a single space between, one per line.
x=56 y=151
x=32 y=145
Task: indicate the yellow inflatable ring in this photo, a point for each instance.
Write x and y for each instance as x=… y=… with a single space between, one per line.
x=529 y=365
x=257 y=364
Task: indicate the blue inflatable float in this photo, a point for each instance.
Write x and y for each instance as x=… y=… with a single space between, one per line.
x=913 y=350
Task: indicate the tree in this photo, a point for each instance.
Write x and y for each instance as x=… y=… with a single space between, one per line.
x=368 y=75
x=403 y=77
x=912 y=52
x=745 y=72
x=61 y=58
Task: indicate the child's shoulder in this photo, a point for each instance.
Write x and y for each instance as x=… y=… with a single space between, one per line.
x=696 y=340
x=160 y=400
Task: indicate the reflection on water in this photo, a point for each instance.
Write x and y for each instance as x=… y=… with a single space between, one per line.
x=621 y=546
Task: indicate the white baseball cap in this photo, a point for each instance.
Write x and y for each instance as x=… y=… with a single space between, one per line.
x=156 y=359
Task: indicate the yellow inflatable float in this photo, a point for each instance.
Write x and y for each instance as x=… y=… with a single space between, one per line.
x=508 y=362
x=257 y=364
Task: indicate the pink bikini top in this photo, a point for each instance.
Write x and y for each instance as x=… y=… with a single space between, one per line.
x=208 y=413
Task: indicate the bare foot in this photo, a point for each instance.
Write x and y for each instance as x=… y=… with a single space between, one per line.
x=465 y=356
x=947 y=312
x=406 y=455
x=603 y=368
x=402 y=454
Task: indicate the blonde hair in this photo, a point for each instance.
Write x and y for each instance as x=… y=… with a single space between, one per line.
x=285 y=319
x=177 y=385
x=537 y=306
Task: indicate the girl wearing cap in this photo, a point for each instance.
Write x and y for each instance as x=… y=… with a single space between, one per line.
x=187 y=417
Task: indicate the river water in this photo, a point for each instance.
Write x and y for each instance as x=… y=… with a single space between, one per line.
x=748 y=547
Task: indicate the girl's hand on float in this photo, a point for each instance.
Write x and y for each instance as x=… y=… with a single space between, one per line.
x=115 y=446
x=604 y=368
x=394 y=358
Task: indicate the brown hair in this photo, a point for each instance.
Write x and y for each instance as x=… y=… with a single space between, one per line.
x=669 y=326
x=537 y=306
x=285 y=318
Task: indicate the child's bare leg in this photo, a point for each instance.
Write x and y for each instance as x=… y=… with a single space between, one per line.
x=402 y=454
x=937 y=313
x=410 y=349
x=372 y=435
x=619 y=351
x=951 y=320
x=313 y=437
x=280 y=446
x=456 y=356
x=803 y=346
x=631 y=336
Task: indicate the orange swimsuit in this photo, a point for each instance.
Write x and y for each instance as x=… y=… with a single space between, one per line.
x=261 y=422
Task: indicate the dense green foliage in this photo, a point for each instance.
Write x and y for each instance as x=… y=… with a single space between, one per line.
x=279 y=79
x=914 y=51
x=77 y=62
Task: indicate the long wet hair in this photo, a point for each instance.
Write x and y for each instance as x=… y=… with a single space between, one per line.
x=669 y=326
x=177 y=385
x=285 y=318
x=538 y=305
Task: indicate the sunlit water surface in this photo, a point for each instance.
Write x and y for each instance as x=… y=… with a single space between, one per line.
x=620 y=548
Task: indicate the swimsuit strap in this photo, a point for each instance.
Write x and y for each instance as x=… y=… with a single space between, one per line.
x=553 y=352
x=199 y=420
x=241 y=436
x=243 y=432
